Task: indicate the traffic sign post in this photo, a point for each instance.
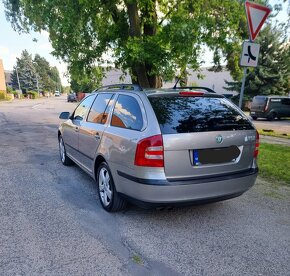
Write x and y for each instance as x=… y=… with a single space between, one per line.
x=250 y=54
x=256 y=16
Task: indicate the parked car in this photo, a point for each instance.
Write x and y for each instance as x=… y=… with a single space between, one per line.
x=56 y=93
x=72 y=97
x=160 y=147
x=270 y=107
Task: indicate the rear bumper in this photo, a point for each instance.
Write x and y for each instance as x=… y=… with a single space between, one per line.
x=189 y=191
x=258 y=114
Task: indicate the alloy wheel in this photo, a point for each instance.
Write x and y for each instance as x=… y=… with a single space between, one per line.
x=61 y=150
x=105 y=187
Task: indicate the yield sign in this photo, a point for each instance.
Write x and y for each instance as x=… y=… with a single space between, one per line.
x=256 y=15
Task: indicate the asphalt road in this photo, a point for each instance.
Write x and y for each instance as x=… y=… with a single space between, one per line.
x=52 y=223
x=280 y=126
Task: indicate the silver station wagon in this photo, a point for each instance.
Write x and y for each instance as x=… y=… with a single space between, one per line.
x=160 y=147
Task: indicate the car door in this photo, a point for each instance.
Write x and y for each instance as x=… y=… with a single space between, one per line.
x=126 y=126
x=71 y=128
x=285 y=107
x=91 y=129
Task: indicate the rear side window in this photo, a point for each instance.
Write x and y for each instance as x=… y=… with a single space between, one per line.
x=100 y=108
x=286 y=101
x=197 y=114
x=127 y=113
x=259 y=100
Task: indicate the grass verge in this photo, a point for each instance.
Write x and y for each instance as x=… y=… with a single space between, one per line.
x=274 y=163
x=273 y=133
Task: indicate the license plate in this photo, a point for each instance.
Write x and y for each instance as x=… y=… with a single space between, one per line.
x=253 y=112
x=215 y=156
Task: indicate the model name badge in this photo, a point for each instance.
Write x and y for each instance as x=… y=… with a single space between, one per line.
x=250 y=138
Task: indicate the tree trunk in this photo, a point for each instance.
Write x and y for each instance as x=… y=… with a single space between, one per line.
x=150 y=29
x=138 y=69
x=142 y=71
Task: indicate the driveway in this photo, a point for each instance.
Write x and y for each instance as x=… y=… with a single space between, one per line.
x=280 y=126
x=52 y=222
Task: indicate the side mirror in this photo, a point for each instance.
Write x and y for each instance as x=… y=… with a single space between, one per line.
x=64 y=115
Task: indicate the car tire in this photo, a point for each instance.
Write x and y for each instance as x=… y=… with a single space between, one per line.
x=271 y=116
x=65 y=160
x=254 y=118
x=110 y=199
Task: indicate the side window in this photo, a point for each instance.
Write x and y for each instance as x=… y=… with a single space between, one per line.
x=81 y=111
x=127 y=113
x=286 y=101
x=100 y=108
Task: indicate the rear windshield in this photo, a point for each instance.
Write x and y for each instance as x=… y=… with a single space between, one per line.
x=197 y=114
x=259 y=100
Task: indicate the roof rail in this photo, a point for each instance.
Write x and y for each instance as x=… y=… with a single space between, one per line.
x=195 y=87
x=122 y=86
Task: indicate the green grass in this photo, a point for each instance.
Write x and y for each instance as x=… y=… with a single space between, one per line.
x=137 y=259
x=274 y=163
x=274 y=134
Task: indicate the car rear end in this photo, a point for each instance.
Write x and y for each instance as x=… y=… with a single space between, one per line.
x=259 y=107
x=205 y=149
x=71 y=97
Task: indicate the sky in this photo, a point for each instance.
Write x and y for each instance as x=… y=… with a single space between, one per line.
x=12 y=44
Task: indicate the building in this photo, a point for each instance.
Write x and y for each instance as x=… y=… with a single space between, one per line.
x=213 y=80
x=210 y=79
x=2 y=78
x=8 y=79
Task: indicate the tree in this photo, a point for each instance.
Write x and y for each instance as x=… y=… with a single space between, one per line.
x=26 y=73
x=55 y=78
x=86 y=81
x=149 y=38
x=44 y=71
x=272 y=75
x=35 y=74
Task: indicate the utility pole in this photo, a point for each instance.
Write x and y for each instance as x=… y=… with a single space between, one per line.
x=243 y=88
x=37 y=85
x=18 y=80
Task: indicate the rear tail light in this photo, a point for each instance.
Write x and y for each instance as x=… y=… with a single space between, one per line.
x=266 y=106
x=149 y=152
x=191 y=93
x=256 y=152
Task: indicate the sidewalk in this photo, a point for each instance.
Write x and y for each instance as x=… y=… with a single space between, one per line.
x=275 y=140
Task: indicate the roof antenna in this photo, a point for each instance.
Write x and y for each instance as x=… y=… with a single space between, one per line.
x=178 y=79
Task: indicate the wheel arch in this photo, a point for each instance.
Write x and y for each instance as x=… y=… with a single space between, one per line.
x=98 y=161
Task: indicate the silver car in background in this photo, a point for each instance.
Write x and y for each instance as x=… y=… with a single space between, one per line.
x=160 y=147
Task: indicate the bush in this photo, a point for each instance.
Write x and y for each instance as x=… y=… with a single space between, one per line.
x=10 y=97
x=32 y=94
x=2 y=95
x=9 y=90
